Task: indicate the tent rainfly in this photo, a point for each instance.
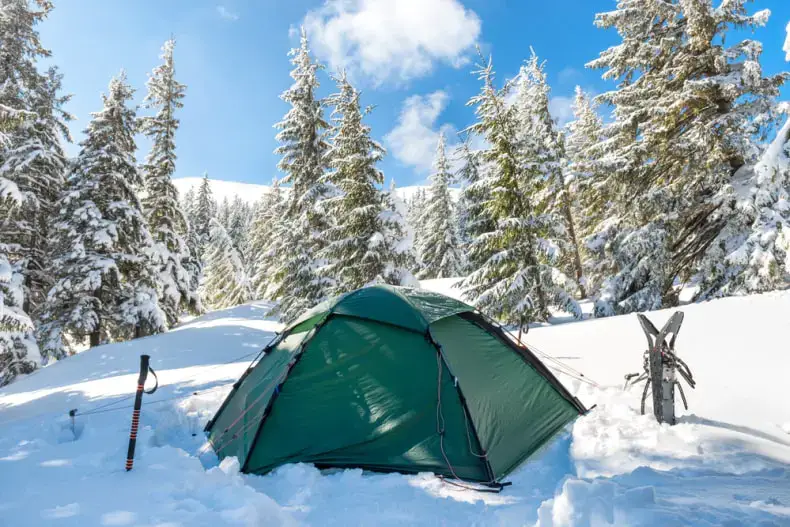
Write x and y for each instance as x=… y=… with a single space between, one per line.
x=393 y=379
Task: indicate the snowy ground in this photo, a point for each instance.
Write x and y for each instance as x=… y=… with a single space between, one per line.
x=726 y=463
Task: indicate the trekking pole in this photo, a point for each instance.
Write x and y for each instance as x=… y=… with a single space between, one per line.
x=138 y=401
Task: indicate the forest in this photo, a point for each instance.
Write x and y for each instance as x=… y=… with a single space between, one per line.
x=679 y=175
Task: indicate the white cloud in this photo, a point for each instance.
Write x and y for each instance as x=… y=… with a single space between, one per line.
x=568 y=75
x=392 y=39
x=413 y=140
x=227 y=14
x=561 y=109
x=786 y=47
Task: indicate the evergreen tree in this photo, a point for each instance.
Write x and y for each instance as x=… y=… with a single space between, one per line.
x=18 y=350
x=582 y=146
x=32 y=167
x=473 y=217
x=166 y=220
x=397 y=248
x=755 y=254
x=269 y=212
x=223 y=213
x=204 y=209
x=303 y=149
x=516 y=284
x=416 y=208
x=543 y=150
x=188 y=203
x=105 y=283
x=687 y=111
x=438 y=247
x=226 y=282
x=357 y=250
x=239 y=222
x=36 y=163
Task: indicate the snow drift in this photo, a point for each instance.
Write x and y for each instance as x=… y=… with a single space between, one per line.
x=727 y=462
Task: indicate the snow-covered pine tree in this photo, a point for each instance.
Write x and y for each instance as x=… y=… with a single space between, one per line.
x=438 y=246
x=303 y=147
x=416 y=208
x=166 y=220
x=687 y=110
x=226 y=282
x=188 y=203
x=594 y=215
x=239 y=222
x=269 y=211
x=204 y=209
x=543 y=149
x=356 y=250
x=18 y=350
x=34 y=160
x=473 y=217
x=223 y=212
x=516 y=284
x=105 y=282
x=397 y=250
x=756 y=257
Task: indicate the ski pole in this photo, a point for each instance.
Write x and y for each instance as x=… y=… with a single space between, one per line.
x=138 y=401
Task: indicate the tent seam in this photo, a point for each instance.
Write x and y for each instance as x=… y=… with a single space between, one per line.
x=528 y=357
x=316 y=329
x=236 y=385
x=489 y=469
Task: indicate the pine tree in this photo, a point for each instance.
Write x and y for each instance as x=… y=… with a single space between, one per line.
x=416 y=208
x=166 y=220
x=543 y=149
x=473 y=217
x=303 y=148
x=18 y=349
x=32 y=166
x=756 y=255
x=269 y=212
x=596 y=218
x=687 y=111
x=105 y=283
x=438 y=247
x=516 y=284
x=204 y=209
x=239 y=222
x=226 y=282
x=36 y=163
x=397 y=248
x=357 y=250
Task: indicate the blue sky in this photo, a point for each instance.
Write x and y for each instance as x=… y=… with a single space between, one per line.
x=411 y=58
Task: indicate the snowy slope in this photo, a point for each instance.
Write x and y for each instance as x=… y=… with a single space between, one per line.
x=726 y=463
x=221 y=190
x=251 y=192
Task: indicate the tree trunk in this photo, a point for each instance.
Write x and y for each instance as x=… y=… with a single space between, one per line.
x=95 y=338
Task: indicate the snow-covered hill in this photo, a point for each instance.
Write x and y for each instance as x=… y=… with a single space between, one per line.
x=221 y=190
x=251 y=192
x=726 y=463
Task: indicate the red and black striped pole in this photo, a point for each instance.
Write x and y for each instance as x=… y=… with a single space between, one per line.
x=138 y=401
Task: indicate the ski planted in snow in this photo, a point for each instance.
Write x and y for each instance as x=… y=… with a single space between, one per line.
x=661 y=368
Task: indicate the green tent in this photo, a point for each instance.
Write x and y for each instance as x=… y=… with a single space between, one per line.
x=393 y=379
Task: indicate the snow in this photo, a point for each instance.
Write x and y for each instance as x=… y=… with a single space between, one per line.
x=252 y=192
x=221 y=190
x=727 y=461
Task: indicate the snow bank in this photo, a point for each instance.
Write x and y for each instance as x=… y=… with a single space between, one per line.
x=727 y=462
